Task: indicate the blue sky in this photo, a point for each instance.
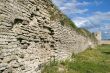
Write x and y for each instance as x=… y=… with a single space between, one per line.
x=93 y=15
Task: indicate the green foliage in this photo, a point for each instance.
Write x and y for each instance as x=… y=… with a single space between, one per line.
x=68 y=21
x=90 y=61
x=65 y=21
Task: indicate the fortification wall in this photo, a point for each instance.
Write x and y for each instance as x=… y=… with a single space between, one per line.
x=29 y=38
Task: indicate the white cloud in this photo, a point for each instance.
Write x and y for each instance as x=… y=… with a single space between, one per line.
x=98 y=20
x=98 y=2
x=74 y=6
x=80 y=21
x=71 y=6
x=107 y=26
x=100 y=16
x=84 y=3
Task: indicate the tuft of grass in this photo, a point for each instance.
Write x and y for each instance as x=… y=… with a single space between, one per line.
x=90 y=61
x=68 y=21
x=52 y=67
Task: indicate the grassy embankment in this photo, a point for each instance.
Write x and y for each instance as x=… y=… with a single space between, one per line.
x=90 y=61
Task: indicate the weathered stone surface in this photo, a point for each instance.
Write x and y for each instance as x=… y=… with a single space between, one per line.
x=29 y=38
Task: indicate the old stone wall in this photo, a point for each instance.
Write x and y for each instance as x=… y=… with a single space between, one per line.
x=29 y=38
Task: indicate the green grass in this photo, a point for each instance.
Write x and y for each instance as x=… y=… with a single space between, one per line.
x=90 y=61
